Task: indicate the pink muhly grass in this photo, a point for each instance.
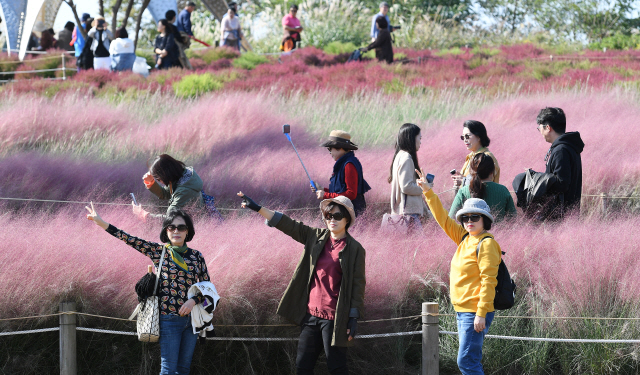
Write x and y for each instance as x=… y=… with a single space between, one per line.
x=561 y=269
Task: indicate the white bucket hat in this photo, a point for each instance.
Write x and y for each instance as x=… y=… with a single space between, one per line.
x=343 y=201
x=475 y=206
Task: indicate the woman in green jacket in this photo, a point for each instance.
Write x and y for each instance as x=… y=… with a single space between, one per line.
x=326 y=293
x=181 y=185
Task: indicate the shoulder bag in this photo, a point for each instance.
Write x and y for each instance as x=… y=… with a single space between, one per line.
x=148 y=311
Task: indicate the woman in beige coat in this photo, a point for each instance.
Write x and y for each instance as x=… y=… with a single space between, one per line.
x=406 y=195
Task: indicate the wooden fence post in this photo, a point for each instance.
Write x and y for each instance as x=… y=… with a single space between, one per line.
x=430 y=339
x=64 y=69
x=68 y=339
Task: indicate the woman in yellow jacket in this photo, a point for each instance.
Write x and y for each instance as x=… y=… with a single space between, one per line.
x=473 y=279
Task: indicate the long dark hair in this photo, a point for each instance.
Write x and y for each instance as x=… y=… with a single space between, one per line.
x=406 y=141
x=477 y=128
x=481 y=167
x=167 y=169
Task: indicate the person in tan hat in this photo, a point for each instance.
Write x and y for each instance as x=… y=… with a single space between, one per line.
x=326 y=293
x=347 y=179
x=102 y=38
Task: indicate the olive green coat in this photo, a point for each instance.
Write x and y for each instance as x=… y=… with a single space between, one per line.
x=187 y=191
x=293 y=305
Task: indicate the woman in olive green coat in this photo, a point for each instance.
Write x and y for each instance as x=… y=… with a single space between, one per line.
x=326 y=293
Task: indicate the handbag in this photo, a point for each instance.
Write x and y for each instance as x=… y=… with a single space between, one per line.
x=148 y=311
x=396 y=223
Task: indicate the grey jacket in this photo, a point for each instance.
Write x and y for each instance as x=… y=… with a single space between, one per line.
x=406 y=195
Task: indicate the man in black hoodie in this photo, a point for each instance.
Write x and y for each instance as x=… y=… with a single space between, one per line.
x=563 y=162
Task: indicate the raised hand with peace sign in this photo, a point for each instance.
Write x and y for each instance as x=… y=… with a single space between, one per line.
x=422 y=181
x=93 y=216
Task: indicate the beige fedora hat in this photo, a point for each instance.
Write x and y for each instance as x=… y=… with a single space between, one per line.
x=339 y=139
x=343 y=201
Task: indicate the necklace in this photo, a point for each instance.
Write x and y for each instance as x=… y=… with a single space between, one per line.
x=335 y=243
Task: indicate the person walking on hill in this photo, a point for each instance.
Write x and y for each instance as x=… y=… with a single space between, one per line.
x=382 y=44
x=474 y=136
x=482 y=186
x=292 y=29
x=406 y=195
x=326 y=293
x=182 y=267
x=230 y=30
x=170 y=16
x=347 y=178
x=184 y=22
x=473 y=276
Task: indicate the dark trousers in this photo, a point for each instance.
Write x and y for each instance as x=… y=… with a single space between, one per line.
x=315 y=337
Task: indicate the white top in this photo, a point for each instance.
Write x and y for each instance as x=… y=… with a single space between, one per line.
x=228 y=24
x=406 y=195
x=121 y=45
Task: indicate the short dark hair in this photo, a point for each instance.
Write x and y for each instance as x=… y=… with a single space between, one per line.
x=166 y=168
x=122 y=33
x=486 y=222
x=554 y=117
x=170 y=14
x=477 y=128
x=69 y=25
x=293 y=6
x=191 y=4
x=343 y=210
x=169 y=219
x=382 y=23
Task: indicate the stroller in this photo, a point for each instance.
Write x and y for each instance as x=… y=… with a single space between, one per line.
x=355 y=56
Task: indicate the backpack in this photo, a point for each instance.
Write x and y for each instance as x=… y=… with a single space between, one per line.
x=506 y=288
x=85 y=60
x=355 y=56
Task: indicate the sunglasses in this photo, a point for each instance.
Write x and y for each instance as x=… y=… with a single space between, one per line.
x=470 y=218
x=466 y=136
x=180 y=228
x=337 y=216
x=329 y=149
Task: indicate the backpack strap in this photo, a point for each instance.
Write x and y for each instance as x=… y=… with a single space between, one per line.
x=465 y=236
x=480 y=243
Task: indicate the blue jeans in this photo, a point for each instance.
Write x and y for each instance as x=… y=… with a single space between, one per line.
x=177 y=342
x=470 y=350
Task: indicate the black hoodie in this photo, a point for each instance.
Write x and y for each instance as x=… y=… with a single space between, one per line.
x=564 y=161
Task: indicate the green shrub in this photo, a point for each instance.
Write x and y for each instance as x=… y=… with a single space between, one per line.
x=449 y=51
x=195 y=85
x=336 y=48
x=399 y=56
x=485 y=51
x=249 y=60
x=542 y=72
x=210 y=55
x=618 y=41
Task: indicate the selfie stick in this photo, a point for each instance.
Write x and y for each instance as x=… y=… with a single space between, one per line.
x=134 y=199
x=286 y=129
x=201 y=42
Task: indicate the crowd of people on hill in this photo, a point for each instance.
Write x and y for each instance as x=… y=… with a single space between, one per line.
x=326 y=294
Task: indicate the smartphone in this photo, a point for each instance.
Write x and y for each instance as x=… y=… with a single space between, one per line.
x=133 y=197
x=453 y=171
x=430 y=178
x=286 y=129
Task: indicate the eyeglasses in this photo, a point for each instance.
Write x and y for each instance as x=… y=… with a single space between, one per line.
x=180 y=228
x=337 y=216
x=538 y=127
x=329 y=149
x=470 y=218
x=466 y=136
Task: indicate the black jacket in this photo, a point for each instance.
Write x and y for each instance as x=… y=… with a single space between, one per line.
x=564 y=162
x=383 y=47
x=531 y=190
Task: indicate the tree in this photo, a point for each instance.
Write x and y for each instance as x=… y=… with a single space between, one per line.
x=127 y=13
x=114 y=15
x=145 y=4
x=75 y=15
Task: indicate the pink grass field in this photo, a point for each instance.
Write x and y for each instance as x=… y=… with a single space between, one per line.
x=235 y=142
x=561 y=269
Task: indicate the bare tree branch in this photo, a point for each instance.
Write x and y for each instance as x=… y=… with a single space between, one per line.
x=144 y=5
x=127 y=13
x=101 y=5
x=75 y=15
x=114 y=15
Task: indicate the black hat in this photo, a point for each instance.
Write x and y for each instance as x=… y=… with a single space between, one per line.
x=340 y=139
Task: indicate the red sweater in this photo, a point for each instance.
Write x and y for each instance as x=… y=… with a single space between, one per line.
x=351 y=178
x=325 y=286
